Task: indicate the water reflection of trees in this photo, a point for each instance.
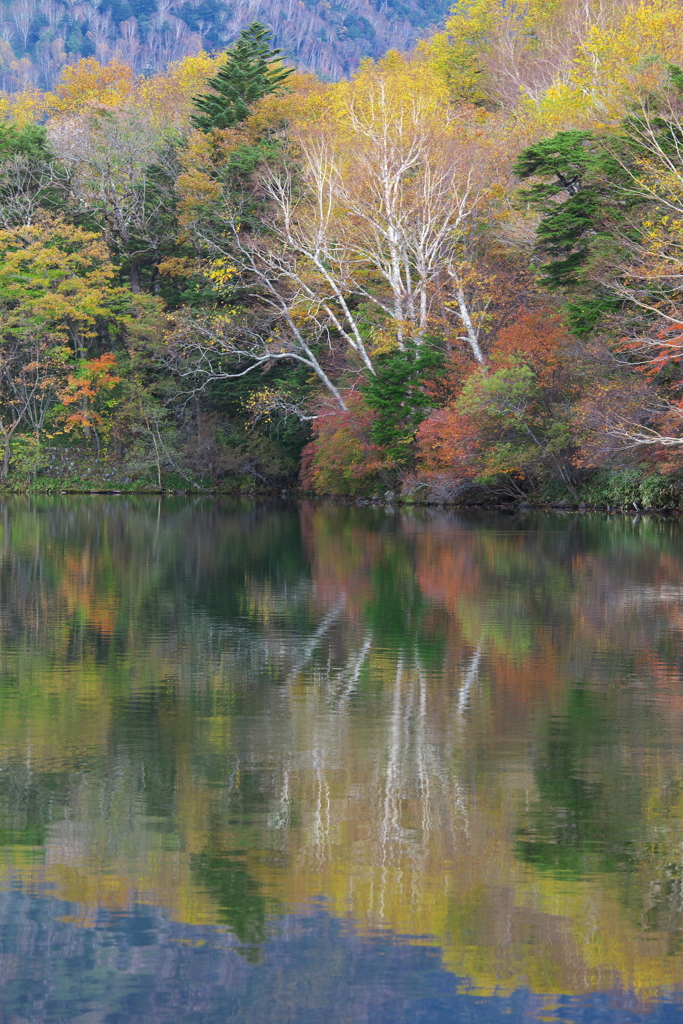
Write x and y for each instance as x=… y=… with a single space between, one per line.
x=466 y=729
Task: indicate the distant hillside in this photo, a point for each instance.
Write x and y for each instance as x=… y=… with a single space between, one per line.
x=37 y=37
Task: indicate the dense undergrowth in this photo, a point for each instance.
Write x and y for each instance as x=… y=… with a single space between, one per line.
x=454 y=278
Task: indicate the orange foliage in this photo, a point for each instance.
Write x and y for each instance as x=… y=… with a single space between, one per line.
x=447 y=441
x=90 y=382
x=540 y=339
x=665 y=349
x=451 y=440
x=79 y=589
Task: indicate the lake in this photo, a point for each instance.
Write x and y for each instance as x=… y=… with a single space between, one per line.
x=302 y=763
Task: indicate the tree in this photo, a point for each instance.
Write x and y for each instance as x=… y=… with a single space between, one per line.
x=511 y=427
x=89 y=84
x=30 y=177
x=363 y=232
x=123 y=174
x=341 y=459
x=58 y=301
x=83 y=394
x=615 y=247
x=576 y=198
x=60 y=278
x=399 y=396
x=253 y=69
x=33 y=366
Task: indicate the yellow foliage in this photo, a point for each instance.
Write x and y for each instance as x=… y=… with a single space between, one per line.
x=22 y=108
x=195 y=189
x=618 y=58
x=402 y=81
x=168 y=96
x=221 y=273
x=88 y=84
x=304 y=100
x=59 y=278
x=458 y=53
x=176 y=266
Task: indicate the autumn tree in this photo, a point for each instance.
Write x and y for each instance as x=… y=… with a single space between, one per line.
x=511 y=428
x=86 y=394
x=33 y=366
x=400 y=395
x=609 y=230
x=89 y=84
x=61 y=278
x=59 y=304
x=30 y=176
x=123 y=174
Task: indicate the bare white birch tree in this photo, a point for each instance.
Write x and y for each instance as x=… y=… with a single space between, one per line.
x=362 y=234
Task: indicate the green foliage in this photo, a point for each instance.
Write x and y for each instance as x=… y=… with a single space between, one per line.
x=29 y=174
x=572 y=167
x=521 y=432
x=29 y=456
x=29 y=140
x=252 y=70
x=577 y=824
x=635 y=485
x=340 y=460
x=399 y=396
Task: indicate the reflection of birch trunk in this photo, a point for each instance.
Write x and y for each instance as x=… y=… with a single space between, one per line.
x=311 y=644
x=391 y=785
x=470 y=677
x=352 y=674
x=424 y=793
x=421 y=757
x=321 y=823
x=281 y=817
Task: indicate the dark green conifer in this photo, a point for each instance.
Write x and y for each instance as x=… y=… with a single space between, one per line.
x=399 y=397
x=570 y=165
x=580 y=196
x=252 y=70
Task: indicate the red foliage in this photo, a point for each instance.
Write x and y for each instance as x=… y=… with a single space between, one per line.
x=453 y=441
x=341 y=459
x=666 y=349
x=90 y=382
x=448 y=441
x=539 y=338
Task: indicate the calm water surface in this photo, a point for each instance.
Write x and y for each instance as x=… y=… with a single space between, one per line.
x=308 y=764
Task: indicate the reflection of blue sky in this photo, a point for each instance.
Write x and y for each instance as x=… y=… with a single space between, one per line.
x=314 y=969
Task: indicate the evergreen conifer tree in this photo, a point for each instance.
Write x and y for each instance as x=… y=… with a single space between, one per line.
x=400 y=399
x=251 y=71
x=577 y=193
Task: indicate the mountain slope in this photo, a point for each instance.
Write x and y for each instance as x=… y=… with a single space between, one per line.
x=330 y=37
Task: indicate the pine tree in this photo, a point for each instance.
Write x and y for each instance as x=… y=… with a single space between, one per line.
x=251 y=71
x=569 y=195
x=578 y=195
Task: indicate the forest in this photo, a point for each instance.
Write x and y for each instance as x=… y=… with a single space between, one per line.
x=40 y=37
x=454 y=276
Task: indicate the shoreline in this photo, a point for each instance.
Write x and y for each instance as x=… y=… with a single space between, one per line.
x=523 y=507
